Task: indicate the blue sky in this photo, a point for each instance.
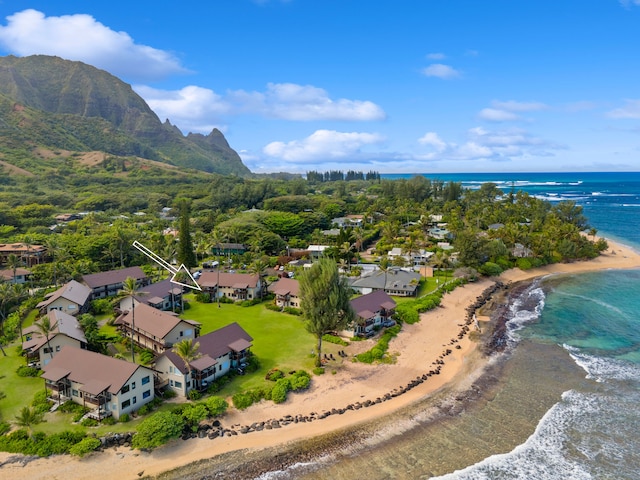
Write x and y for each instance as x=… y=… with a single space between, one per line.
x=416 y=86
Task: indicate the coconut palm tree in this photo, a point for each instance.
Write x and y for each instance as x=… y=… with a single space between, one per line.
x=129 y=287
x=45 y=328
x=187 y=351
x=27 y=418
x=13 y=262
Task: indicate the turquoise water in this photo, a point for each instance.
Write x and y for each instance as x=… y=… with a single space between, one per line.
x=593 y=432
x=567 y=403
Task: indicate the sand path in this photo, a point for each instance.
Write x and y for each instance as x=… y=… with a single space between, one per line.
x=416 y=348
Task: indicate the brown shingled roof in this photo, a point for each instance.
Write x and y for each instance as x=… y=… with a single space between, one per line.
x=152 y=320
x=113 y=277
x=90 y=369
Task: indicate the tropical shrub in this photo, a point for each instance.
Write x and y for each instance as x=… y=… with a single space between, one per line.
x=274 y=374
x=242 y=400
x=25 y=371
x=193 y=414
x=334 y=339
x=157 y=430
x=194 y=395
x=89 y=422
x=85 y=446
x=280 y=390
x=216 y=406
x=292 y=311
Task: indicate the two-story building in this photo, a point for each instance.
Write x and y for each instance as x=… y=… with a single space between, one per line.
x=108 y=284
x=163 y=295
x=72 y=298
x=218 y=352
x=287 y=292
x=106 y=385
x=373 y=311
x=65 y=330
x=17 y=276
x=235 y=286
x=154 y=329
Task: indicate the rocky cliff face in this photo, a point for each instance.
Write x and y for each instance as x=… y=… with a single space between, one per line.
x=65 y=88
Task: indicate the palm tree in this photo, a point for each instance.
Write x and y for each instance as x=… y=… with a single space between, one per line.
x=27 y=418
x=187 y=351
x=28 y=242
x=129 y=287
x=45 y=328
x=257 y=267
x=345 y=252
x=384 y=265
x=52 y=247
x=13 y=262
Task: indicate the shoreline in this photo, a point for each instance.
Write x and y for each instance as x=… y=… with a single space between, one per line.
x=417 y=348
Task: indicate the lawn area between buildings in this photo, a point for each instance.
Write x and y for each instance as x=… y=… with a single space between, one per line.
x=279 y=339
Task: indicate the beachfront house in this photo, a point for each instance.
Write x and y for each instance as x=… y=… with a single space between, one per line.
x=154 y=329
x=72 y=298
x=287 y=292
x=394 y=281
x=219 y=352
x=65 y=331
x=106 y=385
x=109 y=284
x=373 y=311
x=234 y=286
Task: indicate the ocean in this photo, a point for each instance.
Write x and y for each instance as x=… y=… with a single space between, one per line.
x=566 y=396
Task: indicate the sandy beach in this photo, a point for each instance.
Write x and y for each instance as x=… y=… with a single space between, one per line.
x=416 y=349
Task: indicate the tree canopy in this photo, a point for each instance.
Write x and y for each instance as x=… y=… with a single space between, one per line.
x=324 y=301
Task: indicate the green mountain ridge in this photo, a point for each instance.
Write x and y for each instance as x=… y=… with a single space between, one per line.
x=61 y=104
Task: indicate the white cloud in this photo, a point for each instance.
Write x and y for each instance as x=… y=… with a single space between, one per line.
x=290 y=101
x=195 y=108
x=631 y=109
x=322 y=145
x=192 y=108
x=432 y=139
x=508 y=111
x=82 y=38
x=481 y=144
x=497 y=115
x=513 y=106
x=440 y=70
x=436 y=56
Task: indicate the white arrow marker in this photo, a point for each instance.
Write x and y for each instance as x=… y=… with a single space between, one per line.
x=167 y=266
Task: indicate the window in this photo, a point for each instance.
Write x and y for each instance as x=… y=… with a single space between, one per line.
x=133 y=386
x=145 y=380
x=74 y=393
x=181 y=334
x=57 y=348
x=170 y=368
x=146 y=394
x=134 y=400
x=125 y=389
x=178 y=384
x=171 y=382
x=125 y=404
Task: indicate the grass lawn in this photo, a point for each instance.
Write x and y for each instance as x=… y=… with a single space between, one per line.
x=279 y=339
x=19 y=391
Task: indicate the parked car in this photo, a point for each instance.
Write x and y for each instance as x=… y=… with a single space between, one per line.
x=388 y=323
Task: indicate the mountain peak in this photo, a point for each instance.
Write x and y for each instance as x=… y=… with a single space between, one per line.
x=64 y=87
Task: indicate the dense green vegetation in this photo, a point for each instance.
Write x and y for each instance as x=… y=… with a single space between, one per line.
x=489 y=231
